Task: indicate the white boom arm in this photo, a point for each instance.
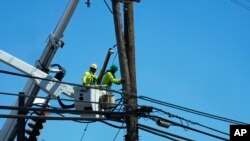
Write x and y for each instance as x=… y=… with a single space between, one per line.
x=50 y=87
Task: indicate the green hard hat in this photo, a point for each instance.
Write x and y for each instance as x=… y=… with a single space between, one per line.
x=113 y=68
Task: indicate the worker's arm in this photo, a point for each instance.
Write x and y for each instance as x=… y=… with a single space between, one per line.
x=84 y=78
x=112 y=79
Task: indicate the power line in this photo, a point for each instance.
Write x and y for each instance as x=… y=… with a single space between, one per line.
x=78 y=111
x=48 y=117
x=162 y=133
x=108 y=113
x=119 y=128
x=190 y=110
x=85 y=129
x=64 y=116
x=158 y=134
x=110 y=10
x=99 y=87
x=165 y=113
x=153 y=117
x=123 y=114
x=241 y=4
x=57 y=118
x=112 y=125
x=140 y=97
x=46 y=98
x=118 y=132
x=34 y=77
x=189 y=121
x=115 y=54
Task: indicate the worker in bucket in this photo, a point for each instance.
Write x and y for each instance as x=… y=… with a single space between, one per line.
x=89 y=77
x=107 y=100
x=109 y=77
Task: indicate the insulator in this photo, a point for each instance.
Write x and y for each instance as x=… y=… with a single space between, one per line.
x=32 y=124
x=32 y=138
x=33 y=132
x=28 y=131
x=35 y=127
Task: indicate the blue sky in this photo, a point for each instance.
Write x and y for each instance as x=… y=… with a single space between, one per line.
x=190 y=53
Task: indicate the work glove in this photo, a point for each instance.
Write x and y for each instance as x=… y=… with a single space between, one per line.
x=122 y=80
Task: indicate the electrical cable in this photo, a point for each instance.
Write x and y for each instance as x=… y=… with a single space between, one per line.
x=112 y=125
x=114 y=58
x=55 y=108
x=241 y=4
x=10 y=94
x=49 y=117
x=118 y=132
x=13 y=94
x=63 y=105
x=52 y=80
x=70 y=106
x=108 y=6
x=153 y=117
x=29 y=115
x=119 y=128
x=56 y=81
x=142 y=97
x=115 y=54
x=189 y=121
x=184 y=119
x=108 y=113
x=75 y=118
x=190 y=110
x=85 y=129
x=160 y=132
x=119 y=104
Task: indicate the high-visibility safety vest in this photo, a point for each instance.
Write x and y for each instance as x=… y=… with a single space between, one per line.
x=109 y=78
x=89 y=78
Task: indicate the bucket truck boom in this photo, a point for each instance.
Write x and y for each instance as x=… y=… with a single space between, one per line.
x=85 y=100
x=8 y=131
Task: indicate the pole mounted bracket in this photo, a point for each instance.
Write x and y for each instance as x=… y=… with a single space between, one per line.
x=56 y=42
x=143 y=110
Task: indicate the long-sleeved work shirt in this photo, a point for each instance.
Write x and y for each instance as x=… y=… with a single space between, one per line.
x=109 y=78
x=89 y=78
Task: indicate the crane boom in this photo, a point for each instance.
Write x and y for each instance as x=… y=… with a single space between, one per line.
x=49 y=86
x=8 y=131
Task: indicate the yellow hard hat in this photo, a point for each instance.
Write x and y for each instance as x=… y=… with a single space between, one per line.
x=93 y=66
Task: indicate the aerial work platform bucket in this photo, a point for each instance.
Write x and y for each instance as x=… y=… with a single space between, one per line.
x=92 y=99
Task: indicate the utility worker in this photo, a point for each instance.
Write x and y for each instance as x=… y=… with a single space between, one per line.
x=89 y=77
x=109 y=77
x=108 y=80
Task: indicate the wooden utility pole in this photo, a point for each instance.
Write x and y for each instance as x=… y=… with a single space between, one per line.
x=132 y=130
x=126 y=51
x=121 y=46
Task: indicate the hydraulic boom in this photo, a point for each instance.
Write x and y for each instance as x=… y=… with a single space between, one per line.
x=8 y=131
